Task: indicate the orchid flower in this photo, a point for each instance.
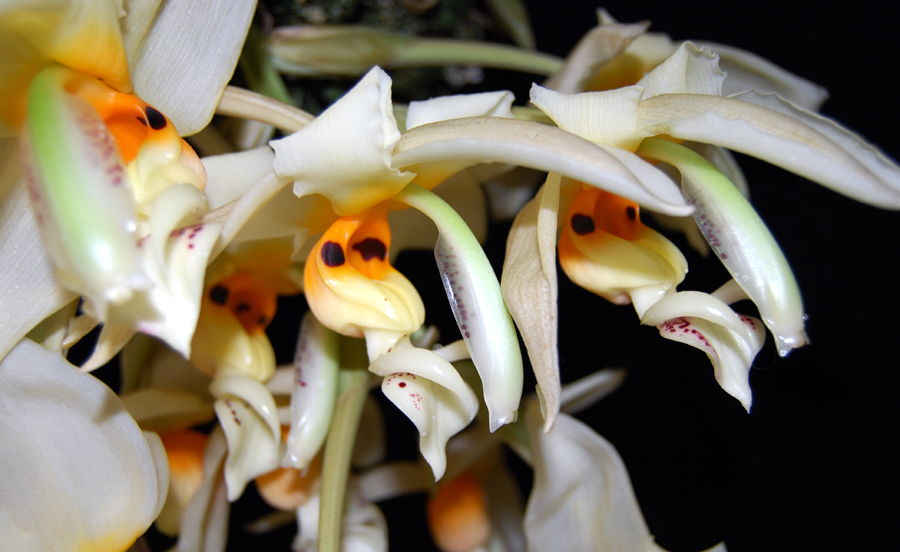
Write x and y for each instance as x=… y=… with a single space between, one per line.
x=100 y=162
x=689 y=83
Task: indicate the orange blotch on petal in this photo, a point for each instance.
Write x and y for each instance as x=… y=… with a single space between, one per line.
x=288 y=488
x=457 y=515
x=184 y=450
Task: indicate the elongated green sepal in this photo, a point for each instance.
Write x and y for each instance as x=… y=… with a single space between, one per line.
x=81 y=196
x=477 y=304
x=740 y=239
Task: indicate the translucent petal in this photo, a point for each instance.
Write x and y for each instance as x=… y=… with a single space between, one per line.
x=689 y=70
x=529 y=287
x=80 y=475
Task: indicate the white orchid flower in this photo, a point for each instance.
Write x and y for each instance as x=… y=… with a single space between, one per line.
x=79 y=473
x=117 y=156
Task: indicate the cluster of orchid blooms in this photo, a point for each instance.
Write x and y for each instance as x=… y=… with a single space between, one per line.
x=108 y=217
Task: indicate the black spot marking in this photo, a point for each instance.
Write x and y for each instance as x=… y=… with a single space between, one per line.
x=142 y=120
x=582 y=224
x=263 y=321
x=156 y=119
x=332 y=254
x=371 y=247
x=243 y=307
x=219 y=295
x=631 y=212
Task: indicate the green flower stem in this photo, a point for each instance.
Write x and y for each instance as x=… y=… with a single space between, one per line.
x=353 y=389
x=257 y=68
x=436 y=52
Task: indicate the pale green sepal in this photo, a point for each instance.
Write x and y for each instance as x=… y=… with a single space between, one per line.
x=82 y=199
x=582 y=498
x=316 y=364
x=530 y=144
x=433 y=396
x=183 y=54
x=748 y=71
x=512 y=17
x=345 y=154
x=485 y=104
x=78 y=472
x=477 y=304
x=782 y=134
x=529 y=286
x=741 y=240
x=53 y=332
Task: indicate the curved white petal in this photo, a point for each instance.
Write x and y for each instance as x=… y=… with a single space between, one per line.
x=689 y=70
x=345 y=154
x=477 y=304
x=229 y=175
x=700 y=305
x=433 y=396
x=582 y=497
x=782 y=134
x=204 y=523
x=485 y=104
x=530 y=144
x=316 y=364
x=529 y=287
x=78 y=472
x=247 y=413
x=748 y=71
x=183 y=54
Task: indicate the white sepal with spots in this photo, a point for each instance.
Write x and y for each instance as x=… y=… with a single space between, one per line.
x=431 y=393
x=316 y=364
x=247 y=413
x=730 y=340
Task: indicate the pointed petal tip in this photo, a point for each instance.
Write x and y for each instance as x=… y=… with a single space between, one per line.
x=499 y=421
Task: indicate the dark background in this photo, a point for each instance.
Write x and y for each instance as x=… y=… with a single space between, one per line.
x=810 y=467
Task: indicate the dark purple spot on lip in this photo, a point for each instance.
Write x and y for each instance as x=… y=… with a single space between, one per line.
x=243 y=307
x=371 y=247
x=332 y=254
x=631 y=212
x=219 y=295
x=582 y=224
x=156 y=119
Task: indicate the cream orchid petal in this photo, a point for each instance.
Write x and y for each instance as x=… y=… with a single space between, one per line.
x=429 y=390
x=113 y=338
x=748 y=71
x=582 y=497
x=29 y=289
x=608 y=117
x=696 y=304
x=230 y=175
x=726 y=349
x=183 y=54
x=171 y=308
x=166 y=409
x=585 y=392
x=782 y=134
x=530 y=287
x=82 y=200
x=247 y=413
x=594 y=50
x=530 y=144
x=742 y=242
x=363 y=528
x=485 y=104
x=345 y=154
x=393 y=479
x=689 y=70
x=101 y=480
x=477 y=304
x=316 y=364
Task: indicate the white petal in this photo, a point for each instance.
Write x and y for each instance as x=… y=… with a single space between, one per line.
x=697 y=304
x=316 y=364
x=477 y=304
x=530 y=289
x=748 y=71
x=345 y=154
x=228 y=176
x=802 y=142
x=431 y=393
x=582 y=497
x=485 y=104
x=585 y=392
x=204 y=524
x=689 y=70
x=181 y=62
x=29 y=289
x=78 y=472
